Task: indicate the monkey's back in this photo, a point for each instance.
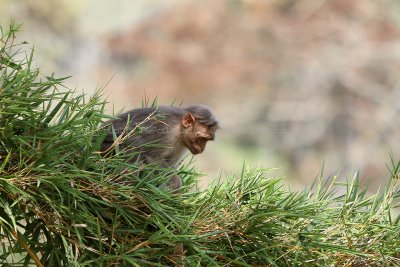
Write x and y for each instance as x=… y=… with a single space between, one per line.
x=147 y=132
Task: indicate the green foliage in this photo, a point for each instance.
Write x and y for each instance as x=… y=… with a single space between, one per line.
x=62 y=204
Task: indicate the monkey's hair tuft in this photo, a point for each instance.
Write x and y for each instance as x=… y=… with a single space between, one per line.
x=204 y=115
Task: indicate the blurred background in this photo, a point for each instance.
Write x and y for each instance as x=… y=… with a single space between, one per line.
x=296 y=84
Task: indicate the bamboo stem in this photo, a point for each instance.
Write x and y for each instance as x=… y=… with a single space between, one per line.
x=25 y=246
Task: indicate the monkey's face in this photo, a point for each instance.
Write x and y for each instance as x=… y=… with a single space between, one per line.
x=197 y=138
x=196 y=135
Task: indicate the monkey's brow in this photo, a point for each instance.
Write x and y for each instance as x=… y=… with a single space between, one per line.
x=211 y=124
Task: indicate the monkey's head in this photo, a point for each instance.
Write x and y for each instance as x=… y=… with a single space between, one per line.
x=198 y=127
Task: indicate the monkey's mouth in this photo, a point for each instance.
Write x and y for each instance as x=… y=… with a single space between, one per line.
x=196 y=150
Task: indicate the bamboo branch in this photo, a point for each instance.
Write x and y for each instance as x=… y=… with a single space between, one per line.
x=25 y=246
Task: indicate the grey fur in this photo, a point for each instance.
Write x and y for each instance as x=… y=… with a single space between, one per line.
x=153 y=129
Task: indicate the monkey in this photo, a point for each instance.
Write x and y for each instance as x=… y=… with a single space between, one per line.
x=161 y=135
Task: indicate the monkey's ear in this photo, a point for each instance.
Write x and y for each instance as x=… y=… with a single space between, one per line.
x=188 y=120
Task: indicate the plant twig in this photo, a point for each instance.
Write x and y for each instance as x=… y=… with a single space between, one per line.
x=25 y=246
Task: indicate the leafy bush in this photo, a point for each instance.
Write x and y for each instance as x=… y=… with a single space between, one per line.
x=61 y=204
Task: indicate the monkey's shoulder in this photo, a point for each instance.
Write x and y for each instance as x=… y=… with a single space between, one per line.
x=166 y=156
x=172 y=155
x=175 y=148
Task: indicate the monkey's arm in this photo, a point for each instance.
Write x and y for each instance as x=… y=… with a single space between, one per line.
x=175 y=182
